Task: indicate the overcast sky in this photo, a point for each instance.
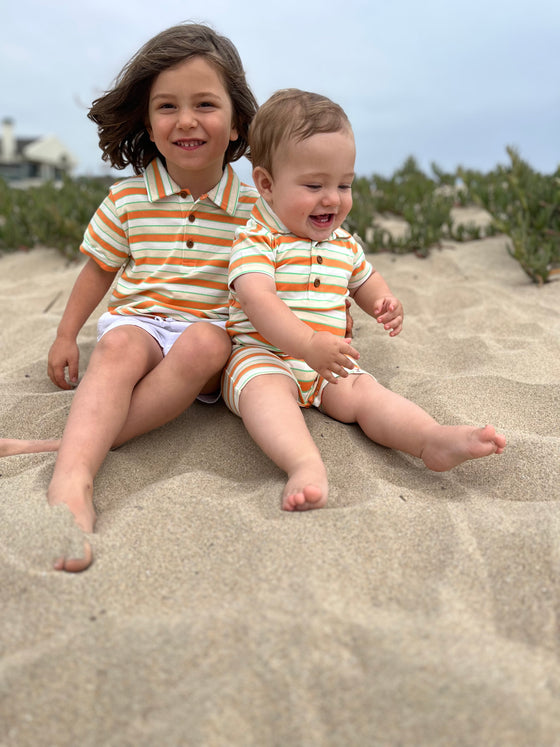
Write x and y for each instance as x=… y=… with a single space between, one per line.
x=445 y=81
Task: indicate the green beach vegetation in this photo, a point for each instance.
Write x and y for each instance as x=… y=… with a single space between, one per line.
x=521 y=202
x=49 y=215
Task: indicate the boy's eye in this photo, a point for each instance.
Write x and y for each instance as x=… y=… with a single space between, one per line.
x=313 y=186
x=345 y=187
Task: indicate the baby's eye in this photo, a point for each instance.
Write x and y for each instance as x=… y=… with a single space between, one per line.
x=314 y=187
x=345 y=187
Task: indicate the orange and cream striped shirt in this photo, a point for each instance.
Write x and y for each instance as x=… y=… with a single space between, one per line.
x=312 y=277
x=173 y=250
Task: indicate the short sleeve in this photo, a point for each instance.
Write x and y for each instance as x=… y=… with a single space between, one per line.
x=105 y=239
x=252 y=251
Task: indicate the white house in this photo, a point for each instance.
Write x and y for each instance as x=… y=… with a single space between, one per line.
x=28 y=161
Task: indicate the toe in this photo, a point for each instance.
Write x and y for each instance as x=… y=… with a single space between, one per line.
x=75 y=565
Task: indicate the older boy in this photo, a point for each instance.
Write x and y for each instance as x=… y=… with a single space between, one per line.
x=290 y=271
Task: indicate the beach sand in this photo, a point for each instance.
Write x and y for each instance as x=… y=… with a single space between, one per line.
x=416 y=609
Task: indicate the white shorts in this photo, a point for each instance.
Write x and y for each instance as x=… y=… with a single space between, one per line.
x=164 y=330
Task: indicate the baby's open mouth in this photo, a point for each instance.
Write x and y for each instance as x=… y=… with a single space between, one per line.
x=325 y=219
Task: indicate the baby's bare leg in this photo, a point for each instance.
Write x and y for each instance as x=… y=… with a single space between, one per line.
x=393 y=421
x=269 y=408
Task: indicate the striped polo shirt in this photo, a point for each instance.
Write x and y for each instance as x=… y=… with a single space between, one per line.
x=312 y=277
x=173 y=250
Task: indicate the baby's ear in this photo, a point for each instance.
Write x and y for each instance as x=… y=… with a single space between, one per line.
x=263 y=182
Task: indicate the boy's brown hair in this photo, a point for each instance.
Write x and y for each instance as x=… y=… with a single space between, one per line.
x=121 y=114
x=291 y=114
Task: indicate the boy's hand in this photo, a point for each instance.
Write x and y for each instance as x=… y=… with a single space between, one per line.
x=328 y=355
x=64 y=353
x=389 y=312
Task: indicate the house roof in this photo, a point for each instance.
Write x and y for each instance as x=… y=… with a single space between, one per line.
x=46 y=149
x=49 y=150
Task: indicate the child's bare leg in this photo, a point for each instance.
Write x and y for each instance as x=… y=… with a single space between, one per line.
x=13 y=446
x=193 y=364
x=97 y=414
x=269 y=408
x=393 y=421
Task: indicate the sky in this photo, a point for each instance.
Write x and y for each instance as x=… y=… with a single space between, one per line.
x=444 y=81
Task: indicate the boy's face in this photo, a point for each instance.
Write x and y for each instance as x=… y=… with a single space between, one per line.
x=311 y=189
x=191 y=122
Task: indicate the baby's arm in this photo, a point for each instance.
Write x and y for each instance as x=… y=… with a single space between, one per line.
x=375 y=298
x=91 y=285
x=323 y=351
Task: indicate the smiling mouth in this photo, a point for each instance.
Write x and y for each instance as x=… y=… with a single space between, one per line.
x=189 y=144
x=322 y=220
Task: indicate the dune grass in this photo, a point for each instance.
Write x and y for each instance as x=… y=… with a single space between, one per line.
x=524 y=205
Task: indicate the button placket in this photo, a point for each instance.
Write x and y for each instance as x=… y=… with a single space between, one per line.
x=316 y=259
x=191 y=219
x=184 y=194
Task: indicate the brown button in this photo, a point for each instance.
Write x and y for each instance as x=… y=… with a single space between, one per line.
x=190 y=243
x=192 y=217
x=319 y=260
x=316 y=282
x=183 y=194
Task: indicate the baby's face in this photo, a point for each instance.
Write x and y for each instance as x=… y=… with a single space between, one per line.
x=311 y=188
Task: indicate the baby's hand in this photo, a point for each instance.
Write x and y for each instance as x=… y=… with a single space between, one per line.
x=328 y=355
x=389 y=312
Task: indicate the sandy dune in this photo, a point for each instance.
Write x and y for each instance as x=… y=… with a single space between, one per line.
x=417 y=609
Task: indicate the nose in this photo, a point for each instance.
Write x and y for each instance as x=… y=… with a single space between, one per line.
x=187 y=118
x=331 y=198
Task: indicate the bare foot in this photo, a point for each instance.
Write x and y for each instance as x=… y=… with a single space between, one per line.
x=13 y=446
x=75 y=565
x=306 y=488
x=450 y=445
x=76 y=493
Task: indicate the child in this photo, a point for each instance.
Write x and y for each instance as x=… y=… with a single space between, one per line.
x=290 y=271
x=178 y=114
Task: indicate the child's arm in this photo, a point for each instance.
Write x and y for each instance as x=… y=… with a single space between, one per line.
x=375 y=298
x=90 y=287
x=323 y=351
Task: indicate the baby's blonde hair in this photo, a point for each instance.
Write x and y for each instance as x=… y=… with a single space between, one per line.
x=291 y=114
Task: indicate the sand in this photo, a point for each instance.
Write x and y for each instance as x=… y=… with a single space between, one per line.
x=416 y=609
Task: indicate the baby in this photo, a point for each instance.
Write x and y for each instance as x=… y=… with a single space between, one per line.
x=290 y=272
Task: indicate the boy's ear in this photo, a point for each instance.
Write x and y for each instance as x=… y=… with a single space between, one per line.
x=263 y=182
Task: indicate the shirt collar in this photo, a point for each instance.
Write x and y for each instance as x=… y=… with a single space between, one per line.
x=224 y=195
x=265 y=215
